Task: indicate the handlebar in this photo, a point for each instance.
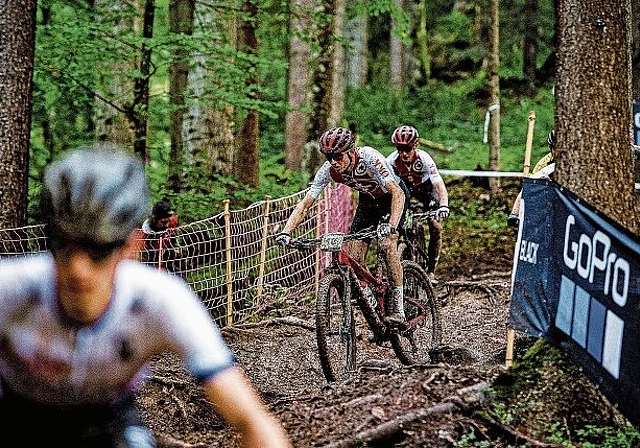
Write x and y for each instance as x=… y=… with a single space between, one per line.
x=332 y=241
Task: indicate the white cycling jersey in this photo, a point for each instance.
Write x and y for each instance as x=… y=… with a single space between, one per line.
x=370 y=175
x=46 y=357
x=417 y=172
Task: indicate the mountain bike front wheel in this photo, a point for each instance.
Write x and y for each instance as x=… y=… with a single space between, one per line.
x=335 y=328
x=424 y=332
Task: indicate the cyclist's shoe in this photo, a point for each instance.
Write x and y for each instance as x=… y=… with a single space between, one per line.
x=395 y=310
x=396 y=321
x=432 y=278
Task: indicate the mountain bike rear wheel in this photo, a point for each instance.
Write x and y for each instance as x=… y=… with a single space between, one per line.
x=335 y=328
x=412 y=346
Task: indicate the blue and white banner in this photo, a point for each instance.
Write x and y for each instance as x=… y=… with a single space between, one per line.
x=576 y=283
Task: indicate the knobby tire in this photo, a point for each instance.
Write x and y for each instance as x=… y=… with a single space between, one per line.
x=335 y=328
x=413 y=345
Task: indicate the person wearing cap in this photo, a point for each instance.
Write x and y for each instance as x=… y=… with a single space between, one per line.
x=382 y=202
x=81 y=323
x=418 y=170
x=159 y=236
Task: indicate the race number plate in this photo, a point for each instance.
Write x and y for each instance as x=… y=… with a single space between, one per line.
x=332 y=242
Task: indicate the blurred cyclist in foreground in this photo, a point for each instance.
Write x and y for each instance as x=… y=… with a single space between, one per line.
x=80 y=324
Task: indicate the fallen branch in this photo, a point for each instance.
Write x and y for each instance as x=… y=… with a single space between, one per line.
x=466 y=398
x=433 y=145
x=293 y=321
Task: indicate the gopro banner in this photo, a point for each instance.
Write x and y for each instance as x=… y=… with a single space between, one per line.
x=576 y=283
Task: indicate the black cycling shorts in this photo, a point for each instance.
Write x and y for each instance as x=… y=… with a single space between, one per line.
x=90 y=426
x=370 y=212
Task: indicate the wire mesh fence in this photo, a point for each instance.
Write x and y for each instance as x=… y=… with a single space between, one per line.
x=231 y=259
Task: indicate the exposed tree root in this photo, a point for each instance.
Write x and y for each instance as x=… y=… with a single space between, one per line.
x=466 y=399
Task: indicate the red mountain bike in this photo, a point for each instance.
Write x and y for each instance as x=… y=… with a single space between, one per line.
x=344 y=287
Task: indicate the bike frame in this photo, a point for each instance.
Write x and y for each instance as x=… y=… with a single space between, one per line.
x=354 y=273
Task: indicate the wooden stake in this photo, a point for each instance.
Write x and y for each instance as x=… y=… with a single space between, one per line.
x=525 y=171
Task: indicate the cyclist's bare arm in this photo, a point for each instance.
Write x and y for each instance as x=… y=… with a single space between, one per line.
x=298 y=214
x=237 y=402
x=441 y=190
x=397 y=203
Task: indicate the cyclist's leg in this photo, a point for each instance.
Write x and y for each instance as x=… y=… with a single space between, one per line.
x=435 y=241
x=389 y=248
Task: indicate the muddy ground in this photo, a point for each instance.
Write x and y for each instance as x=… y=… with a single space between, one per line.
x=386 y=404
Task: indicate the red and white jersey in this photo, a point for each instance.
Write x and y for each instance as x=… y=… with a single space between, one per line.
x=46 y=357
x=370 y=175
x=422 y=169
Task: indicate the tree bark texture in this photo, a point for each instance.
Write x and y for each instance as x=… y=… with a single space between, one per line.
x=181 y=14
x=323 y=82
x=396 y=50
x=593 y=106
x=114 y=89
x=337 y=73
x=356 y=34
x=17 y=48
x=299 y=89
x=635 y=48
x=247 y=152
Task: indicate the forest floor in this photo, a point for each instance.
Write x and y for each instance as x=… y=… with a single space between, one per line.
x=456 y=401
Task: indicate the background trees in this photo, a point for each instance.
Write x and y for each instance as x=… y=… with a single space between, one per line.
x=203 y=91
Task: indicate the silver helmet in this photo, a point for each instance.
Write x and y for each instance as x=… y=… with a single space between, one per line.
x=95 y=195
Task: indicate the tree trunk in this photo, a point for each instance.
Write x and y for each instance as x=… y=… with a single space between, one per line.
x=114 y=90
x=180 y=22
x=17 y=48
x=494 y=89
x=139 y=110
x=207 y=133
x=323 y=117
x=422 y=39
x=395 y=56
x=635 y=49
x=530 y=44
x=337 y=73
x=356 y=56
x=593 y=106
x=247 y=162
x=299 y=94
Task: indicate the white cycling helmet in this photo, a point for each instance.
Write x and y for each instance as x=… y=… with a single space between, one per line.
x=95 y=195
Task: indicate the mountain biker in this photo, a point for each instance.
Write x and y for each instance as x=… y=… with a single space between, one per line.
x=81 y=323
x=418 y=170
x=383 y=200
x=542 y=170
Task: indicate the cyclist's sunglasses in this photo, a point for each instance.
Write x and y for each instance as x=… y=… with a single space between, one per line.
x=63 y=248
x=404 y=148
x=334 y=156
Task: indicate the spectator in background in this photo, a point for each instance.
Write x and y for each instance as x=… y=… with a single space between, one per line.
x=543 y=170
x=159 y=236
x=80 y=324
x=418 y=170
